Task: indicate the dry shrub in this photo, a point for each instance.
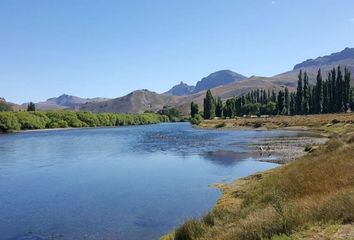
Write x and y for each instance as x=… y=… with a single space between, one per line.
x=192 y=229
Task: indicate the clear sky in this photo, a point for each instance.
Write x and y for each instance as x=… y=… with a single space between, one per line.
x=108 y=48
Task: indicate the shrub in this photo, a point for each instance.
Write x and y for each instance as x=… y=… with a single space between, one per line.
x=90 y=119
x=32 y=120
x=8 y=122
x=192 y=229
x=197 y=119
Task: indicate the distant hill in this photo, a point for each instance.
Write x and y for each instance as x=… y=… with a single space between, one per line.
x=346 y=54
x=65 y=101
x=135 y=102
x=180 y=90
x=215 y=79
x=224 y=83
x=6 y=106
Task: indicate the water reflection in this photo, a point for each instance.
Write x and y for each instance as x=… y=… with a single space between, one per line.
x=116 y=183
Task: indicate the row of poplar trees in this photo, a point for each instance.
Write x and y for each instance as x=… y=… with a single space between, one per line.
x=332 y=95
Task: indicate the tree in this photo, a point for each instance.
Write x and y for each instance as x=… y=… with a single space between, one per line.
x=292 y=110
x=346 y=97
x=287 y=101
x=318 y=101
x=299 y=94
x=306 y=95
x=194 y=109
x=172 y=113
x=219 y=107
x=31 y=107
x=325 y=92
x=280 y=102
x=209 y=106
x=339 y=91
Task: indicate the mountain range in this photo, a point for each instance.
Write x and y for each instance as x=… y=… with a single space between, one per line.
x=216 y=79
x=224 y=83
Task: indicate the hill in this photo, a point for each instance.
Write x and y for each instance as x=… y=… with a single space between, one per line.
x=224 y=83
x=346 y=54
x=135 y=102
x=180 y=90
x=65 y=101
x=213 y=80
x=217 y=79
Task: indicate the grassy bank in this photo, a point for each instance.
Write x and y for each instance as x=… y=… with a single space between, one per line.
x=14 y=121
x=310 y=198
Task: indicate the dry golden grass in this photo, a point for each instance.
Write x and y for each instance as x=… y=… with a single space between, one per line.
x=315 y=190
x=331 y=122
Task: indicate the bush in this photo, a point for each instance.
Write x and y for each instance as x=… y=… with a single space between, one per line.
x=197 y=119
x=11 y=121
x=90 y=119
x=8 y=122
x=192 y=229
x=32 y=120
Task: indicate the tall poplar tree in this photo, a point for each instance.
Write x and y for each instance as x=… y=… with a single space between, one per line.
x=318 y=100
x=209 y=106
x=299 y=94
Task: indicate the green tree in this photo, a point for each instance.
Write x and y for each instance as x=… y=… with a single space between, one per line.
x=194 y=109
x=31 y=107
x=209 y=106
x=306 y=95
x=318 y=101
x=286 y=102
x=218 y=107
x=299 y=94
x=339 y=91
x=346 y=97
x=292 y=108
x=280 y=102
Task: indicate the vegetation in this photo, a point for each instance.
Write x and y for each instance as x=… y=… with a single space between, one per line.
x=194 y=109
x=331 y=96
x=13 y=121
x=310 y=198
x=209 y=106
x=31 y=107
x=172 y=113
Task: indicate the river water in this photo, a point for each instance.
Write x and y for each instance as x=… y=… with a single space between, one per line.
x=126 y=183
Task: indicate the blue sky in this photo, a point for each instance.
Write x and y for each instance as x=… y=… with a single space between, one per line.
x=108 y=48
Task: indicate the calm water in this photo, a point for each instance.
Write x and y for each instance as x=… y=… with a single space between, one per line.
x=117 y=183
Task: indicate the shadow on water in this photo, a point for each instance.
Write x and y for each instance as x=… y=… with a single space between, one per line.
x=228 y=158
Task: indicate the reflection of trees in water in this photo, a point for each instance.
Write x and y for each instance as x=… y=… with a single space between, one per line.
x=227 y=158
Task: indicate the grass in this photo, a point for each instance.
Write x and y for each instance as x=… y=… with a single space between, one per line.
x=324 y=122
x=312 y=196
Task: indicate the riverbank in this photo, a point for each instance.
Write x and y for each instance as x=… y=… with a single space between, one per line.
x=62 y=119
x=310 y=198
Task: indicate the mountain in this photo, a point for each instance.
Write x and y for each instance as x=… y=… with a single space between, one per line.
x=180 y=90
x=346 y=54
x=135 y=102
x=217 y=79
x=225 y=84
x=65 y=101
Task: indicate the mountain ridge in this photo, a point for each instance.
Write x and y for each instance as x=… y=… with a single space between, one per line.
x=215 y=79
x=144 y=100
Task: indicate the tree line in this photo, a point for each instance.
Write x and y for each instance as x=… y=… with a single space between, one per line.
x=332 y=95
x=13 y=121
